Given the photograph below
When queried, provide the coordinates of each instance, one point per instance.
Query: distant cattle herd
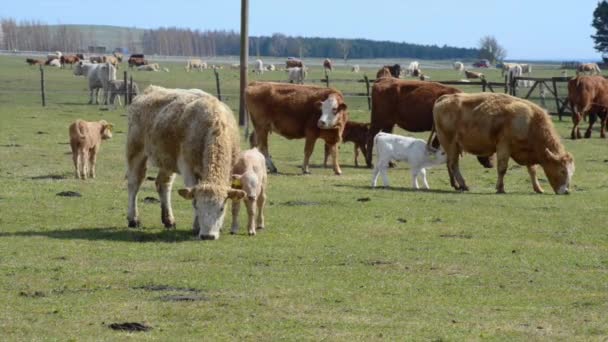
(192, 133)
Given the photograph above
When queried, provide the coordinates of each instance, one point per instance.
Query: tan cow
(589, 69)
(191, 133)
(487, 123)
(85, 140)
(249, 175)
(473, 75)
(295, 112)
(195, 63)
(588, 95)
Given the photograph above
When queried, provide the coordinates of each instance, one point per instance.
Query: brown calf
(355, 132)
(85, 140)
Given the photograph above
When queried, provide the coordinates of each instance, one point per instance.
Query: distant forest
(38, 36)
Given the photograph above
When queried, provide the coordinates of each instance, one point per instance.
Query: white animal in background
(411, 150)
(98, 76)
(55, 63)
(458, 66)
(235, 66)
(149, 67)
(355, 68)
(411, 69)
(258, 67)
(249, 174)
(270, 67)
(166, 69)
(195, 63)
(297, 75)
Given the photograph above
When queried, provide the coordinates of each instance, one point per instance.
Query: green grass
(405, 265)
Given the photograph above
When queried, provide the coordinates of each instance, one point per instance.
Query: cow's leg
(135, 176)
(415, 178)
(85, 163)
(502, 163)
(576, 119)
(93, 161)
(164, 184)
(458, 176)
(91, 90)
(251, 206)
(261, 201)
(453, 155)
(334, 157)
(76, 160)
(309, 146)
(262, 140)
(356, 153)
(375, 175)
(603, 120)
(326, 155)
(384, 174)
(236, 207)
(370, 144)
(424, 181)
(592, 120)
(534, 180)
(190, 181)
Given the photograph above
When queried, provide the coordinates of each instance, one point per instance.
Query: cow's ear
(109, 127)
(342, 107)
(319, 105)
(187, 193)
(235, 194)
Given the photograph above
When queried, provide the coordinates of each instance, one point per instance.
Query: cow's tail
(429, 143)
(78, 132)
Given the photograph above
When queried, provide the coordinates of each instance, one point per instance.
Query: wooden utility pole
(244, 59)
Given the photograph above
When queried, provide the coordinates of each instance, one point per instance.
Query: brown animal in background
(96, 59)
(295, 112)
(487, 123)
(588, 68)
(588, 95)
(473, 75)
(382, 73)
(85, 140)
(70, 59)
(327, 65)
(293, 63)
(32, 61)
(394, 69)
(136, 61)
(355, 132)
(407, 104)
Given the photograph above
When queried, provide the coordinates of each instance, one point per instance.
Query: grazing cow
(355, 132)
(54, 55)
(327, 66)
(70, 59)
(458, 66)
(382, 73)
(117, 89)
(80, 56)
(296, 75)
(395, 70)
(411, 69)
(110, 59)
(249, 175)
(191, 133)
(119, 56)
(149, 67)
(136, 60)
(235, 66)
(85, 140)
(96, 59)
(588, 95)
(355, 68)
(295, 112)
(98, 76)
(473, 75)
(411, 150)
(506, 67)
(293, 63)
(270, 67)
(487, 123)
(32, 61)
(54, 63)
(526, 68)
(258, 67)
(589, 69)
(195, 63)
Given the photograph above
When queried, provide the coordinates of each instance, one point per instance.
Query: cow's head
(78, 69)
(209, 202)
(106, 130)
(331, 110)
(249, 183)
(559, 170)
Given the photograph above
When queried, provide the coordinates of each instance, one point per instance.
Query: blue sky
(525, 28)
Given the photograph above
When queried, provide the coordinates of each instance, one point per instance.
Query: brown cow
(297, 111)
(487, 123)
(85, 140)
(407, 104)
(70, 59)
(32, 61)
(355, 132)
(395, 70)
(588, 95)
(136, 60)
(293, 63)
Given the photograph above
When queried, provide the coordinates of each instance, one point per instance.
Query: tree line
(38, 36)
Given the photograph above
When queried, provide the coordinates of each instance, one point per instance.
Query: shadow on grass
(397, 189)
(111, 234)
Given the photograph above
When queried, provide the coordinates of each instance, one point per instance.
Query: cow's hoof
(603, 136)
(338, 173)
(587, 135)
(251, 233)
(500, 192)
(208, 237)
(260, 227)
(134, 224)
(169, 225)
(232, 233)
(306, 172)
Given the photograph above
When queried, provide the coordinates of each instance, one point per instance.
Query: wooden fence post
(217, 84)
(557, 106)
(326, 79)
(42, 86)
(130, 89)
(369, 98)
(483, 85)
(127, 92)
(506, 84)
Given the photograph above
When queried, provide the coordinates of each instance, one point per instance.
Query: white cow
(411, 69)
(297, 75)
(271, 67)
(355, 68)
(258, 67)
(458, 66)
(411, 150)
(55, 63)
(149, 67)
(99, 77)
(249, 175)
(195, 63)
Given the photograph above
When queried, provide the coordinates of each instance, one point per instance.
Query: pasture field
(337, 260)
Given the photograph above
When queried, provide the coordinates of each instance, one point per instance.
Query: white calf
(411, 150)
(297, 75)
(249, 175)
